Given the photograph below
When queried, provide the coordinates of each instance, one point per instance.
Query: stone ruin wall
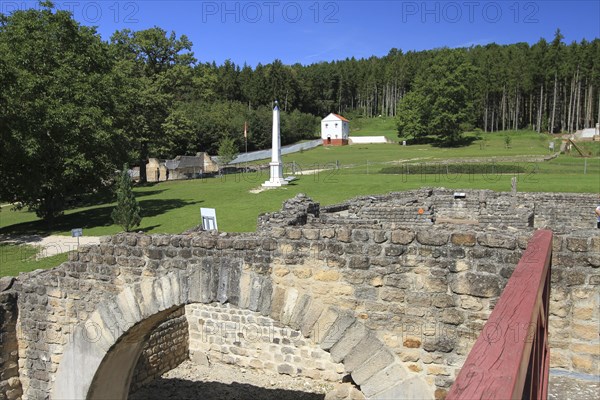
(10, 385)
(561, 212)
(224, 334)
(425, 290)
(166, 348)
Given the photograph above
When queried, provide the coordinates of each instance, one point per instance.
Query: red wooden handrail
(510, 358)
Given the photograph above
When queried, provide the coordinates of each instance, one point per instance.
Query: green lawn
(21, 258)
(491, 145)
(380, 126)
(173, 207)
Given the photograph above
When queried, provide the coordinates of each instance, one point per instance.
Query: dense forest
(74, 108)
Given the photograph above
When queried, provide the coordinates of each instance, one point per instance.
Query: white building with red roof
(335, 130)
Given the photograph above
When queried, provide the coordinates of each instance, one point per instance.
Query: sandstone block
(302, 272)
(349, 340)
(585, 331)
(199, 358)
(459, 266)
(415, 368)
(497, 241)
(393, 294)
(336, 330)
(373, 365)
(437, 370)
(343, 234)
(463, 239)
(307, 327)
(379, 237)
(402, 236)
(293, 233)
(290, 303)
(365, 349)
(476, 284)
(585, 348)
(560, 359)
(411, 388)
(574, 277)
(452, 316)
(310, 234)
(286, 369)
(327, 275)
(411, 343)
(394, 251)
(583, 363)
(328, 233)
(277, 302)
(300, 311)
(153, 253)
(383, 380)
(360, 235)
(358, 262)
(442, 344)
(432, 238)
(577, 244)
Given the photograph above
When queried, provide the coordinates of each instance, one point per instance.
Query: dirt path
(227, 382)
(50, 245)
(222, 382)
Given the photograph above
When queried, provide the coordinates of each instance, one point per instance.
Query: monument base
(275, 183)
(276, 176)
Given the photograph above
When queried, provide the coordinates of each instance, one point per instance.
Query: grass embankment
(22, 258)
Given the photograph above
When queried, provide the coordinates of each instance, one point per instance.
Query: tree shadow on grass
(181, 389)
(102, 197)
(460, 142)
(94, 217)
(434, 141)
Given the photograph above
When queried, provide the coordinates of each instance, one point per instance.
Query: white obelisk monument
(275, 164)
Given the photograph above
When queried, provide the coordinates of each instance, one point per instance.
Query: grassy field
(21, 258)
(172, 207)
(380, 126)
(523, 143)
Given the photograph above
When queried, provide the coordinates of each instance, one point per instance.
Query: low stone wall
(561, 212)
(226, 334)
(10, 385)
(166, 348)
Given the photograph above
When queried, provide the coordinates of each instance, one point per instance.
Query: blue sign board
(77, 232)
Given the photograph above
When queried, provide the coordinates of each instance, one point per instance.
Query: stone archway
(99, 361)
(105, 348)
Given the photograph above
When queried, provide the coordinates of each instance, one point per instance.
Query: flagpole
(246, 141)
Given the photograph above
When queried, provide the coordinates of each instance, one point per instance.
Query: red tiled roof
(340, 117)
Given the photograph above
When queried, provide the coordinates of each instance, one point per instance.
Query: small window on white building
(336, 124)
(326, 125)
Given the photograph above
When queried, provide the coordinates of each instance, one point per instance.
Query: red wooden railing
(510, 359)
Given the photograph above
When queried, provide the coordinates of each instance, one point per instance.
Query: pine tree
(127, 211)
(228, 150)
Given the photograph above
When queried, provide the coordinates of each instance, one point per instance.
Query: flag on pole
(246, 129)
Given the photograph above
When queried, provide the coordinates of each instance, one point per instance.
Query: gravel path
(222, 382)
(50, 245)
(228, 382)
(570, 386)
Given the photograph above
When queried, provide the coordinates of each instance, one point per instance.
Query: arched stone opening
(99, 361)
(100, 357)
(113, 377)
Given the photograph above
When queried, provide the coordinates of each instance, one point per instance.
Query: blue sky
(312, 31)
